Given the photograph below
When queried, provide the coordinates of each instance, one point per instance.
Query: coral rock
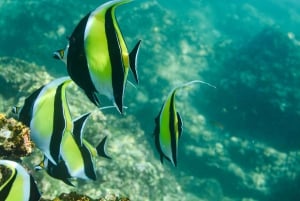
(14, 139)
(73, 196)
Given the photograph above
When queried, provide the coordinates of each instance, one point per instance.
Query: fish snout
(56, 55)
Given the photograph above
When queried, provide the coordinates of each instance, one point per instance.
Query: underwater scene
(150, 100)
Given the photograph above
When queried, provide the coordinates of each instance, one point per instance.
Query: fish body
(66, 153)
(168, 130)
(20, 185)
(73, 146)
(47, 114)
(83, 169)
(97, 58)
(168, 126)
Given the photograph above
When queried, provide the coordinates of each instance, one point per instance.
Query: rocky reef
(14, 139)
(73, 196)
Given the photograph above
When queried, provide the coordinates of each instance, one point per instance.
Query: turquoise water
(240, 141)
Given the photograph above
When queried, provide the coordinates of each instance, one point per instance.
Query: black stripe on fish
(115, 54)
(179, 125)
(85, 153)
(25, 115)
(78, 125)
(59, 124)
(173, 129)
(34, 192)
(6, 189)
(77, 63)
(88, 162)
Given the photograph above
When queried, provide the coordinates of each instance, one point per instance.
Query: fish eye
(62, 53)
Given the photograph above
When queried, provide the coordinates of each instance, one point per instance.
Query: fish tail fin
(133, 60)
(101, 148)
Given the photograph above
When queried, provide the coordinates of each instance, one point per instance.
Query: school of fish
(98, 62)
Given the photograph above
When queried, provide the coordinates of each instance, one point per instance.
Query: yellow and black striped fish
(168, 126)
(18, 185)
(47, 114)
(82, 150)
(97, 56)
(74, 146)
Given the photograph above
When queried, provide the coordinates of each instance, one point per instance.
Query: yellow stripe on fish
(19, 185)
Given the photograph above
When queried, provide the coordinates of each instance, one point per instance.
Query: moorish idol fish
(168, 127)
(97, 57)
(47, 114)
(73, 146)
(18, 185)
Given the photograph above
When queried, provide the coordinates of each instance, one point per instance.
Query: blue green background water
(241, 141)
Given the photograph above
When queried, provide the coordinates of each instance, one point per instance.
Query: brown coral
(14, 139)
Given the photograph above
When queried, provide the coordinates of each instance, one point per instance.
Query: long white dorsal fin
(193, 82)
